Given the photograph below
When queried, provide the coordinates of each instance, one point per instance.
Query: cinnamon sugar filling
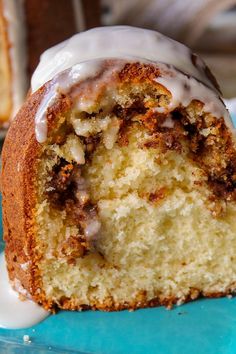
(208, 140)
(130, 190)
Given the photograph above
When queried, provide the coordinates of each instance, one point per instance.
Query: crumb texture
(159, 229)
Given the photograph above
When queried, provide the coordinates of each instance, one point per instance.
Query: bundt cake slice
(119, 179)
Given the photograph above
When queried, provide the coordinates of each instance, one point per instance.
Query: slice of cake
(27, 28)
(119, 176)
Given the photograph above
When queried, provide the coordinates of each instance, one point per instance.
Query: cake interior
(135, 206)
(5, 74)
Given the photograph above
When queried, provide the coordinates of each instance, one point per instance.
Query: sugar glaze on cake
(186, 73)
(120, 42)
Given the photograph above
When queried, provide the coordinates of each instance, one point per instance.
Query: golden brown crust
(18, 175)
(18, 194)
(18, 180)
(141, 301)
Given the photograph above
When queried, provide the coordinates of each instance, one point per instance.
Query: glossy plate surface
(203, 326)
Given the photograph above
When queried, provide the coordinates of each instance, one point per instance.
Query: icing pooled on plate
(15, 313)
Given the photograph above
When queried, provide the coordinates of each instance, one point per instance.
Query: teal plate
(204, 326)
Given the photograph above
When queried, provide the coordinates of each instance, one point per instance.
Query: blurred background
(207, 26)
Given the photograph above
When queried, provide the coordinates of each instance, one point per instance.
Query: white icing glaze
(185, 89)
(14, 14)
(15, 313)
(182, 88)
(116, 42)
(92, 228)
(61, 84)
(84, 54)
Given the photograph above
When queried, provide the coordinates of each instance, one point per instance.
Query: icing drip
(83, 55)
(63, 83)
(183, 89)
(14, 14)
(15, 313)
(118, 42)
(60, 85)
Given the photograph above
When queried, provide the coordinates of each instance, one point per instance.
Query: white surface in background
(13, 12)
